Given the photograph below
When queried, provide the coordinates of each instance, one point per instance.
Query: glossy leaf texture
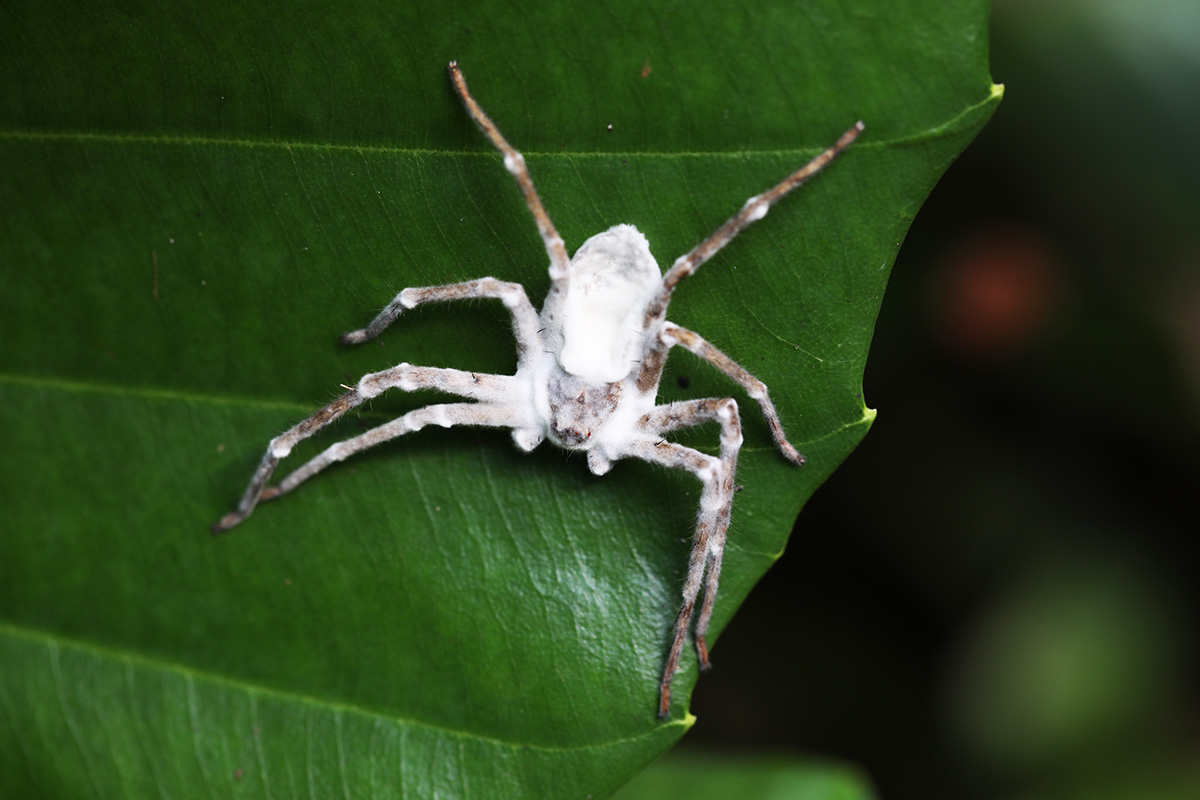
(195, 201)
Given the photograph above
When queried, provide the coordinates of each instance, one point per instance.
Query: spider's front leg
(712, 522)
(514, 162)
(752, 210)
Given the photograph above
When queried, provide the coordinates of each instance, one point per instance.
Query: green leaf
(197, 200)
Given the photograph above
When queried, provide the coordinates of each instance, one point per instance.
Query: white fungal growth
(598, 463)
(527, 439)
(514, 163)
(588, 370)
(757, 208)
(406, 383)
(512, 297)
(369, 386)
(613, 278)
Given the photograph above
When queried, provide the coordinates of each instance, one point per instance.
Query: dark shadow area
(993, 598)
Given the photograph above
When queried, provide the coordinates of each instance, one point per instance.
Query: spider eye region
(579, 409)
(569, 436)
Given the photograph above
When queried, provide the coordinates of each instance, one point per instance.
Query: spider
(588, 369)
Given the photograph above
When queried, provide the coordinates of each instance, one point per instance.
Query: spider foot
(702, 650)
(664, 701)
(791, 453)
(354, 337)
(226, 522)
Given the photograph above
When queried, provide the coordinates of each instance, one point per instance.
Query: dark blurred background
(994, 597)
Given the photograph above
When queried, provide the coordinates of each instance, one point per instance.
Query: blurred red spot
(995, 293)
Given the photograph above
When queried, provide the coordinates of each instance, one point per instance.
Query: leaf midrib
(950, 126)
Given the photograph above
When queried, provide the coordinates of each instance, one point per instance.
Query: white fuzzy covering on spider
(588, 370)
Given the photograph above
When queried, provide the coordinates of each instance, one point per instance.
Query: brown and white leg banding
(446, 416)
(712, 521)
(673, 334)
(474, 385)
(525, 318)
(514, 162)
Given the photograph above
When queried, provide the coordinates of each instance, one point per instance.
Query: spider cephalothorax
(588, 369)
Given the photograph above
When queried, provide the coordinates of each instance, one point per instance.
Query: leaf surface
(196, 201)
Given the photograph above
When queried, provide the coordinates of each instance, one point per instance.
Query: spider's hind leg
(278, 448)
(447, 415)
(712, 521)
(492, 392)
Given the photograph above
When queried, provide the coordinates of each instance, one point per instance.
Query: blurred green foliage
(713, 776)
(1014, 606)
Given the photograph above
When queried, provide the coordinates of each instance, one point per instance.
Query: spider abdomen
(595, 325)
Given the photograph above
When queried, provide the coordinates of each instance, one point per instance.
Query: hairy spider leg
(278, 448)
(752, 210)
(673, 334)
(447, 415)
(478, 386)
(524, 317)
(712, 521)
(525, 330)
(514, 162)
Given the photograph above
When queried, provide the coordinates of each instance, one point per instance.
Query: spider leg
(672, 335)
(278, 448)
(514, 162)
(524, 317)
(492, 415)
(754, 209)
(712, 521)
(477, 386)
